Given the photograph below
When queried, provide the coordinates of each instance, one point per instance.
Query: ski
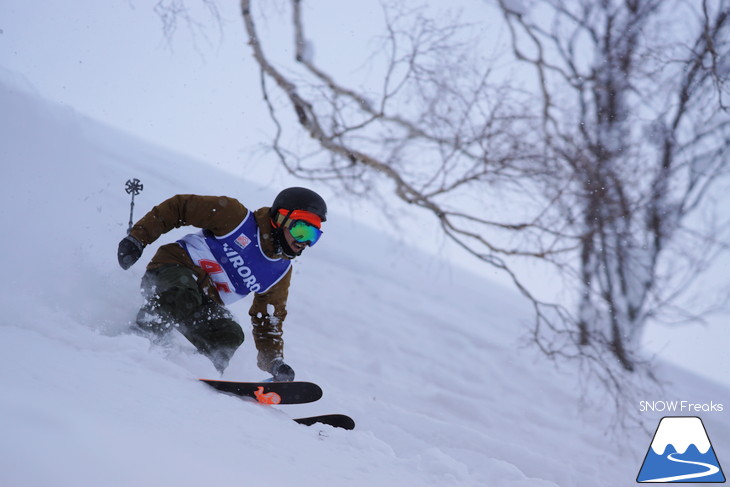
(273, 393)
(336, 420)
(270, 392)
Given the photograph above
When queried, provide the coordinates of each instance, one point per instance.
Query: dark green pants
(174, 301)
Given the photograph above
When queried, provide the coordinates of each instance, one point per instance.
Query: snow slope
(426, 358)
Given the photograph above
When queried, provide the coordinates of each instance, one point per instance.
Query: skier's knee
(179, 302)
(226, 332)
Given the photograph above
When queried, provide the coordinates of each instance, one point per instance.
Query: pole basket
(134, 186)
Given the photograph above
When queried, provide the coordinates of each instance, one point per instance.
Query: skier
(188, 283)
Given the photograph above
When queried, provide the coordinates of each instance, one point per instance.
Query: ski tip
(335, 420)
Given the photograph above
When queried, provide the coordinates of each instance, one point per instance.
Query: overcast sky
(198, 92)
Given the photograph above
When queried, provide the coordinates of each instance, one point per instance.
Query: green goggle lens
(304, 232)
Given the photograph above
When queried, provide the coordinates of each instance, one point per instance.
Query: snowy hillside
(426, 358)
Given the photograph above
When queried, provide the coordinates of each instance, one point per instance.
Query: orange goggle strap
(287, 216)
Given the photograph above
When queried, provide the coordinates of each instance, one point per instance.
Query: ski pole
(133, 187)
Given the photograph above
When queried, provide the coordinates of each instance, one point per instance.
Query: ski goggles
(304, 232)
(304, 226)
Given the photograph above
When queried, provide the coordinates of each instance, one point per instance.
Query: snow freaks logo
(681, 452)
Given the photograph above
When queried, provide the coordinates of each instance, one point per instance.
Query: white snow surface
(426, 358)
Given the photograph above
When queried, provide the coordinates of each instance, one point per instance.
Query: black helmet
(300, 199)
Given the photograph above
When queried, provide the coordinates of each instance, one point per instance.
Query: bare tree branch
(601, 166)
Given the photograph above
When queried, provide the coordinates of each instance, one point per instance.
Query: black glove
(281, 371)
(129, 252)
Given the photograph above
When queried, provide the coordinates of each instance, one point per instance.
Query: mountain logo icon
(681, 452)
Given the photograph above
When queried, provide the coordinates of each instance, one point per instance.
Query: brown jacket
(221, 215)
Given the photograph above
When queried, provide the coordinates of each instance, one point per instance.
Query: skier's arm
(219, 214)
(268, 313)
